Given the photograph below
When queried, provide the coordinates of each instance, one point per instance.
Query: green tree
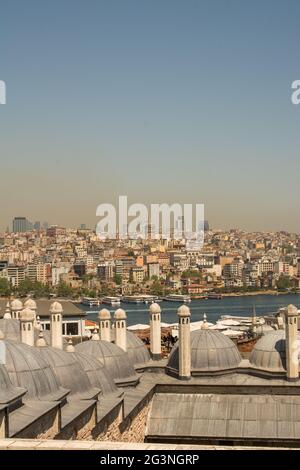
(284, 283)
(63, 290)
(5, 288)
(118, 279)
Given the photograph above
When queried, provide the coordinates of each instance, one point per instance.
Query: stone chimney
(104, 318)
(56, 312)
(27, 327)
(184, 347)
(120, 329)
(291, 343)
(16, 306)
(30, 303)
(155, 331)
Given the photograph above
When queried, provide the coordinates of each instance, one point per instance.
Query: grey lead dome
(211, 351)
(269, 352)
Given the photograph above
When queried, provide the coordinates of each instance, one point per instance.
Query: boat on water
(214, 296)
(91, 301)
(178, 298)
(113, 301)
(132, 299)
(150, 299)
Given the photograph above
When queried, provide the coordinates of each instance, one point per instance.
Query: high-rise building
(20, 224)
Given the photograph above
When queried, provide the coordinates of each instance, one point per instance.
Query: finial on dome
(7, 314)
(95, 336)
(40, 342)
(204, 325)
(70, 348)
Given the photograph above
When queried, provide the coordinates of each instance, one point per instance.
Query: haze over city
(169, 101)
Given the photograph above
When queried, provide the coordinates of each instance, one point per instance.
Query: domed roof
(28, 370)
(97, 373)
(269, 352)
(30, 303)
(211, 351)
(68, 371)
(120, 314)
(115, 360)
(56, 307)
(154, 308)
(104, 314)
(136, 349)
(11, 330)
(8, 391)
(16, 304)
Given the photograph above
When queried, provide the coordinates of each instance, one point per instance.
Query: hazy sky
(161, 100)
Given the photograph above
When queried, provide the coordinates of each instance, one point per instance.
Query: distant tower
(26, 326)
(120, 329)
(16, 307)
(104, 318)
(184, 346)
(56, 311)
(31, 304)
(155, 331)
(291, 343)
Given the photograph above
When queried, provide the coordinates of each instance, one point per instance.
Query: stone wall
(81, 427)
(45, 427)
(130, 430)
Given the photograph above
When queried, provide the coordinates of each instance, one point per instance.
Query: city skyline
(163, 101)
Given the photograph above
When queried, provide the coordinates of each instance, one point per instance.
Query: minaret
(16, 307)
(184, 346)
(254, 321)
(7, 314)
(291, 343)
(26, 326)
(155, 331)
(30, 303)
(56, 311)
(104, 318)
(120, 329)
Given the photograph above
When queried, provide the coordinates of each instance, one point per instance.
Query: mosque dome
(211, 351)
(8, 391)
(27, 369)
(98, 375)
(68, 371)
(269, 352)
(104, 314)
(136, 349)
(115, 360)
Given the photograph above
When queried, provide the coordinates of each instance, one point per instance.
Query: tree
(63, 290)
(118, 279)
(5, 288)
(157, 288)
(284, 283)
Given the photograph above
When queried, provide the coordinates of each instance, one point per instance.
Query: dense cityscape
(41, 260)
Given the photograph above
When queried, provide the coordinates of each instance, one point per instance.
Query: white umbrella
(139, 326)
(232, 333)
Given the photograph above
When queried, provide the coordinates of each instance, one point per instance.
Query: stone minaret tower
(104, 318)
(184, 346)
(27, 326)
(56, 312)
(16, 306)
(120, 329)
(30, 303)
(155, 332)
(291, 343)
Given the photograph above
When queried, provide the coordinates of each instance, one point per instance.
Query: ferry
(91, 301)
(150, 299)
(178, 298)
(132, 299)
(214, 296)
(113, 301)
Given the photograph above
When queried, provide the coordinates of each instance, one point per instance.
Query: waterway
(241, 306)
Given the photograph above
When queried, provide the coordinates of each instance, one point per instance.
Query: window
(72, 329)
